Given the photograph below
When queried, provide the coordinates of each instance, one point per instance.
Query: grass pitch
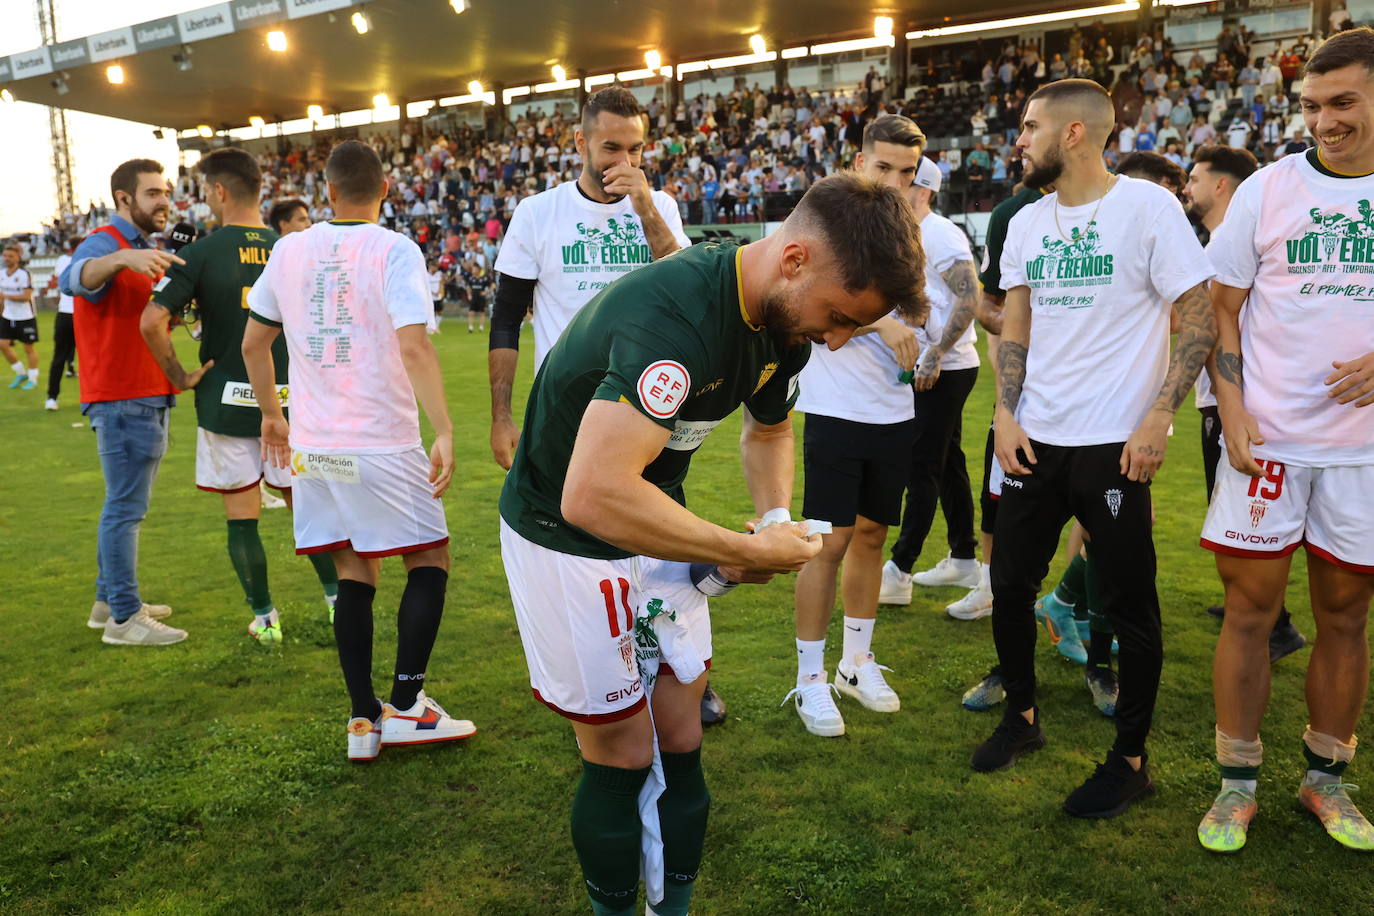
(209, 777)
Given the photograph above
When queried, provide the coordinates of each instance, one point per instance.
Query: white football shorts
(379, 505)
(577, 623)
(1327, 510)
(232, 464)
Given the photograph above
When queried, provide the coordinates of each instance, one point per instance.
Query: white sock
(33, 375)
(18, 368)
(964, 562)
(1245, 785)
(858, 638)
(330, 599)
(810, 658)
(265, 619)
(985, 577)
(1318, 778)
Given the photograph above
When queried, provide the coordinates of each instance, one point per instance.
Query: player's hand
(1351, 380)
(746, 576)
(1241, 430)
(276, 441)
(782, 548)
(190, 380)
(149, 261)
(624, 179)
(1143, 453)
(441, 463)
(505, 436)
(1008, 438)
(901, 340)
(928, 372)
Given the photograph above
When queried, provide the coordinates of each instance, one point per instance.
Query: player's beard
(780, 318)
(149, 221)
(1046, 172)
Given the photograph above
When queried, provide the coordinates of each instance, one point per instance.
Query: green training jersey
(219, 271)
(990, 270)
(673, 341)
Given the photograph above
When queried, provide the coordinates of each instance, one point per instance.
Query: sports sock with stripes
(353, 636)
(682, 811)
(605, 833)
(250, 562)
(324, 569)
(417, 626)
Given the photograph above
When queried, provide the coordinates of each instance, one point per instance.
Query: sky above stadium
(27, 196)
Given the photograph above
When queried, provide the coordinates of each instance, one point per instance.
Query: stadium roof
(414, 50)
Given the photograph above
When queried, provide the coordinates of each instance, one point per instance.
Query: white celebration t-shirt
(859, 382)
(1101, 288)
(945, 245)
(340, 291)
(575, 247)
(1302, 242)
(12, 284)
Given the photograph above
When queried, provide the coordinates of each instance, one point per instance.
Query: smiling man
(594, 501)
(1294, 383)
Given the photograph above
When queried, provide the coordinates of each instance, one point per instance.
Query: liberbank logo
(619, 246)
(1075, 261)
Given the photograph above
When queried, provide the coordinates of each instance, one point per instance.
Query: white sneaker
(140, 630)
(424, 723)
(976, 604)
(269, 499)
(865, 683)
(100, 612)
(816, 706)
(950, 571)
(365, 738)
(896, 587)
(50, 404)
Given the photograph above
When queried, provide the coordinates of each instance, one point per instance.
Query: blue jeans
(709, 205)
(131, 438)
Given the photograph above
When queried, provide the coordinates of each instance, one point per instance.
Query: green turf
(209, 777)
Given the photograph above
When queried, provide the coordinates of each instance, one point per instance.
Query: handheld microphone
(179, 236)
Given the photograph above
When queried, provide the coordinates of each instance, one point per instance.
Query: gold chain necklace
(1091, 219)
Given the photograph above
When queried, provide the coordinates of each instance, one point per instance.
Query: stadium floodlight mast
(276, 41)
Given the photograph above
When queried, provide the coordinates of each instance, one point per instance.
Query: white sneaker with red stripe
(365, 738)
(424, 723)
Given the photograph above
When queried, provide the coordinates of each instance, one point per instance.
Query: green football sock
(250, 562)
(682, 811)
(1100, 629)
(324, 568)
(1334, 768)
(605, 833)
(1069, 591)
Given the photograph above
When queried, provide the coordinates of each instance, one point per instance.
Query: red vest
(115, 362)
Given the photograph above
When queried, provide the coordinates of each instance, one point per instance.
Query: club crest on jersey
(1335, 242)
(662, 388)
(1113, 501)
(765, 375)
(1257, 509)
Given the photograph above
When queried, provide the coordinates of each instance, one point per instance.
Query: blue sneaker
(1057, 618)
(1104, 687)
(29, 384)
(986, 694)
(19, 380)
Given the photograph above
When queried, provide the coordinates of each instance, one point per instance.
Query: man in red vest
(123, 391)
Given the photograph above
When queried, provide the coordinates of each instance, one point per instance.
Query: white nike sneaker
(973, 606)
(816, 706)
(100, 612)
(424, 723)
(950, 571)
(864, 682)
(50, 404)
(365, 738)
(896, 587)
(140, 630)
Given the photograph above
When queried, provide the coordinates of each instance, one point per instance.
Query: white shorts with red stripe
(577, 623)
(378, 505)
(232, 464)
(1327, 510)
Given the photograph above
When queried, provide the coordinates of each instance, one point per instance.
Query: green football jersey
(219, 271)
(672, 340)
(990, 270)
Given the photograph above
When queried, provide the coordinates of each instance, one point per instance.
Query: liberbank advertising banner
(183, 28)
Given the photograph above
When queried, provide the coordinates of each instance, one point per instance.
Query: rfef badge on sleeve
(662, 388)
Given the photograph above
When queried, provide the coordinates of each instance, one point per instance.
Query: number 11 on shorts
(608, 589)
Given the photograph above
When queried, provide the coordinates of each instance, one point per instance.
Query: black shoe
(1284, 639)
(1216, 610)
(1111, 788)
(1012, 737)
(712, 707)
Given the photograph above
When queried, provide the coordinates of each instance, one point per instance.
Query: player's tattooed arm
(153, 326)
(1197, 335)
(989, 312)
(1228, 366)
(661, 240)
(1224, 362)
(962, 280)
(1011, 373)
